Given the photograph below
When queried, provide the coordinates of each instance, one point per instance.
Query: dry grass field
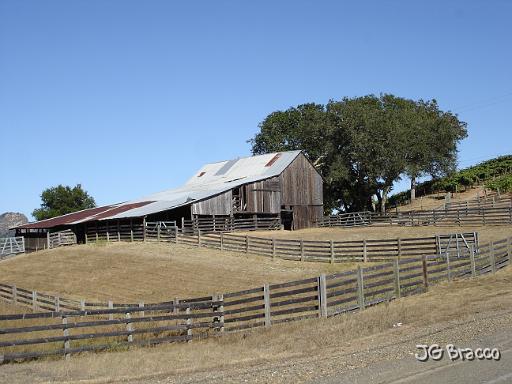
(436, 200)
(487, 233)
(290, 347)
(149, 272)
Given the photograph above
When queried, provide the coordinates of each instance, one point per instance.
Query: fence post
(509, 249)
(448, 269)
(222, 241)
(396, 273)
(398, 247)
(158, 232)
(141, 305)
(65, 333)
(57, 304)
(110, 306)
(198, 237)
(220, 308)
(14, 294)
(365, 254)
(266, 299)
(189, 325)
(34, 300)
(301, 250)
(82, 304)
(48, 239)
(322, 296)
(118, 231)
(246, 243)
(472, 260)
(360, 287)
(273, 248)
(492, 257)
(176, 234)
(129, 327)
(331, 243)
(425, 271)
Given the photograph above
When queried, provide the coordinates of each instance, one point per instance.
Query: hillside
(10, 219)
(494, 174)
(463, 312)
(128, 272)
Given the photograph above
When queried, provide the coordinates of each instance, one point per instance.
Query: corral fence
(30, 335)
(11, 246)
(61, 238)
(500, 214)
(229, 224)
(334, 251)
(166, 230)
(352, 219)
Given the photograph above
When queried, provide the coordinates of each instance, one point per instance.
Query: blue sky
(132, 97)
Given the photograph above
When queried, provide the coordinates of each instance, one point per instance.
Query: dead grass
(487, 233)
(454, 301)
(132, 272)
(436, 200)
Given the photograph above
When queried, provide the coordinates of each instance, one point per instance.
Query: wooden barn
(282, 187)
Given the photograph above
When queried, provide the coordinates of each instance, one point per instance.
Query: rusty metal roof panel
(70, 218)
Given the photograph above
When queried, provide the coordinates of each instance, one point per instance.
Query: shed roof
(212, 179)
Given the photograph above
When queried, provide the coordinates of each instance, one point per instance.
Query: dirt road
(386, 358)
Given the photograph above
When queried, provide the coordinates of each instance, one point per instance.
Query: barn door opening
(287, 219)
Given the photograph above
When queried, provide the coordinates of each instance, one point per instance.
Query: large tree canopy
(61, 199)
(363, 145)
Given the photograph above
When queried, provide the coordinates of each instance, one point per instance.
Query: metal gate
(458, 245)
(12, 246)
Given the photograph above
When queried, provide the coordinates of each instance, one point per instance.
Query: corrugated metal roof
(210, 180)
(70, 218)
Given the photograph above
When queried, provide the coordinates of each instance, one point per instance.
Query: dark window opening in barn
(201, 174)
(273, 160)
(226, 167)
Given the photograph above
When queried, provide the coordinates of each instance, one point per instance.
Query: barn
(281, 188)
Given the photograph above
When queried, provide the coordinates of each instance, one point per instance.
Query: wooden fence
(500, 214)
(61, 238)
(230, 224)
(322, 296)
(11, 246)
(333, 251)
(166, 230)
(351, 219)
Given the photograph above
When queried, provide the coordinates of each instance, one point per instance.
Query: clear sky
(132, 97)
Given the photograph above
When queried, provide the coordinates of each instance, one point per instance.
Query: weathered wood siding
(263, 196)
(218, 205)
(302, 191)
(301, 184)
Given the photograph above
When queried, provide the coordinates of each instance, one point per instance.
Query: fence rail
(11, 246)
(51, 333)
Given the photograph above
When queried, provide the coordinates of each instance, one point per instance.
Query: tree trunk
(384, 200)
(413, 188)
